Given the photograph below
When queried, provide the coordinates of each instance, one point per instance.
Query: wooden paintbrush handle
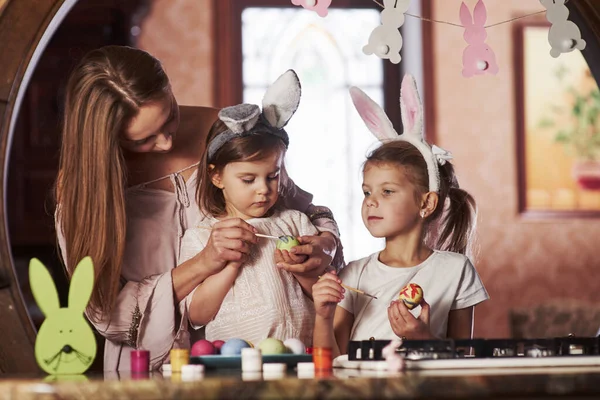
(352, 289)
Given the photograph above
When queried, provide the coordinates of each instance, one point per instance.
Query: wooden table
(572, 383)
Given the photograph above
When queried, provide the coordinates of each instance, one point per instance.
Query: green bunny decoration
(65, 343)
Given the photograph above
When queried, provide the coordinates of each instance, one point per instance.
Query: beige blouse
(145, 315)
(264, 300)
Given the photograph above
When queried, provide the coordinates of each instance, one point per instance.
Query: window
(328, 140)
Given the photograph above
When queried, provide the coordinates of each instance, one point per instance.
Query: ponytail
(457, 212)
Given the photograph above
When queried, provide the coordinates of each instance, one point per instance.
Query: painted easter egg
(203, 348)
(295, 346)
(218, 344)
(272, 346)
(287, 242)
(412, 295)
(233, 347)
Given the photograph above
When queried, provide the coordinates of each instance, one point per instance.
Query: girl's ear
(215, 177)
(429, 203)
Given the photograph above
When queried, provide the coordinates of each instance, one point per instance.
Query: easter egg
(412, 295)
(233, 347)
(272, 346)
(203, 348)
(218, 344)
(295, 346)
(287, 242)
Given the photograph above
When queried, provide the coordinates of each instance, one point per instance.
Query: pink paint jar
(140, 361)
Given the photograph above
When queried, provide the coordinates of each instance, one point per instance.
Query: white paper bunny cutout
(564, 36)
(386, 41)
(411, 110)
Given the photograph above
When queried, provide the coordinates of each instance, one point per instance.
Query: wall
(180, 34)
(522, 262)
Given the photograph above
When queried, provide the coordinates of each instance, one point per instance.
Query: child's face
(250, 188)
(389, 208)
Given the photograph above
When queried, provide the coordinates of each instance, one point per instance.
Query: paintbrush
(256, 234)
(267, 236)
(356, 290)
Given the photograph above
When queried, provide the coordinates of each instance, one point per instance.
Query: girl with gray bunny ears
(408, 187)
(243, 177)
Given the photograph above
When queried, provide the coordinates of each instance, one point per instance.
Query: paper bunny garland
(386, 41)
(478, 57)
(319, 6)
(65, 343)
(411, 110)
(279, 105)
(564, 36)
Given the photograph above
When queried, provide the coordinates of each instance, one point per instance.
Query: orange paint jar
(322, 358)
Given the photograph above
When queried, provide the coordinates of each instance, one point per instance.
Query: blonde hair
(103, 94)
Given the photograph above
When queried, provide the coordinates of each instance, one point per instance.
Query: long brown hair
(104, 92)
(255, 147)
(452, 223)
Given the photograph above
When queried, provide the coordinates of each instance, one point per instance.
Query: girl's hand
(404, 324)
(228, 244)
(327, 293)
(319, 250)
(284, 256)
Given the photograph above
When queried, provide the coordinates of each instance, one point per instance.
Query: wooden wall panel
(22, 24)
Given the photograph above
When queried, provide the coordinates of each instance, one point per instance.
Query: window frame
(229, 83)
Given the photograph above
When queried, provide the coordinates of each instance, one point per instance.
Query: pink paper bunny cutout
(320, 6)
(478, 57)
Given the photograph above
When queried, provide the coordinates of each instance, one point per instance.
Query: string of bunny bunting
(478, 57)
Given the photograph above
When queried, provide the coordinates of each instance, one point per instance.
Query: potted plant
(579, 131)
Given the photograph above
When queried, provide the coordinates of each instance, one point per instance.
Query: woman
(125, 194)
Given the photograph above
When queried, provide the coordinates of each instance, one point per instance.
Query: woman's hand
(327, 293)
(228, 244)
(404, 324)
(311, 258)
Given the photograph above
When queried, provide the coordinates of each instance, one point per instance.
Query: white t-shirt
(264, 301)
(449, 282)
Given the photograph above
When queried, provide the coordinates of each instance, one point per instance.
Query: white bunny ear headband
(279, 104)
(412, 118)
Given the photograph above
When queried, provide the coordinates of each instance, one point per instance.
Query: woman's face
(153, 128)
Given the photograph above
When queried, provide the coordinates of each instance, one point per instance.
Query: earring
(422, 213)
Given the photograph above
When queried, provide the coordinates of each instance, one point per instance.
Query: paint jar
(322, 358)
(179, 358)
(140, 361)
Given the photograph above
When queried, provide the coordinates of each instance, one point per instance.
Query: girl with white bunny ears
(406, 184)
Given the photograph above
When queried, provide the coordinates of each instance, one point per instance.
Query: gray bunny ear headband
(278, 105)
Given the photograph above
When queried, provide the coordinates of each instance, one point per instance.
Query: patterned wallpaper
(522, 262)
